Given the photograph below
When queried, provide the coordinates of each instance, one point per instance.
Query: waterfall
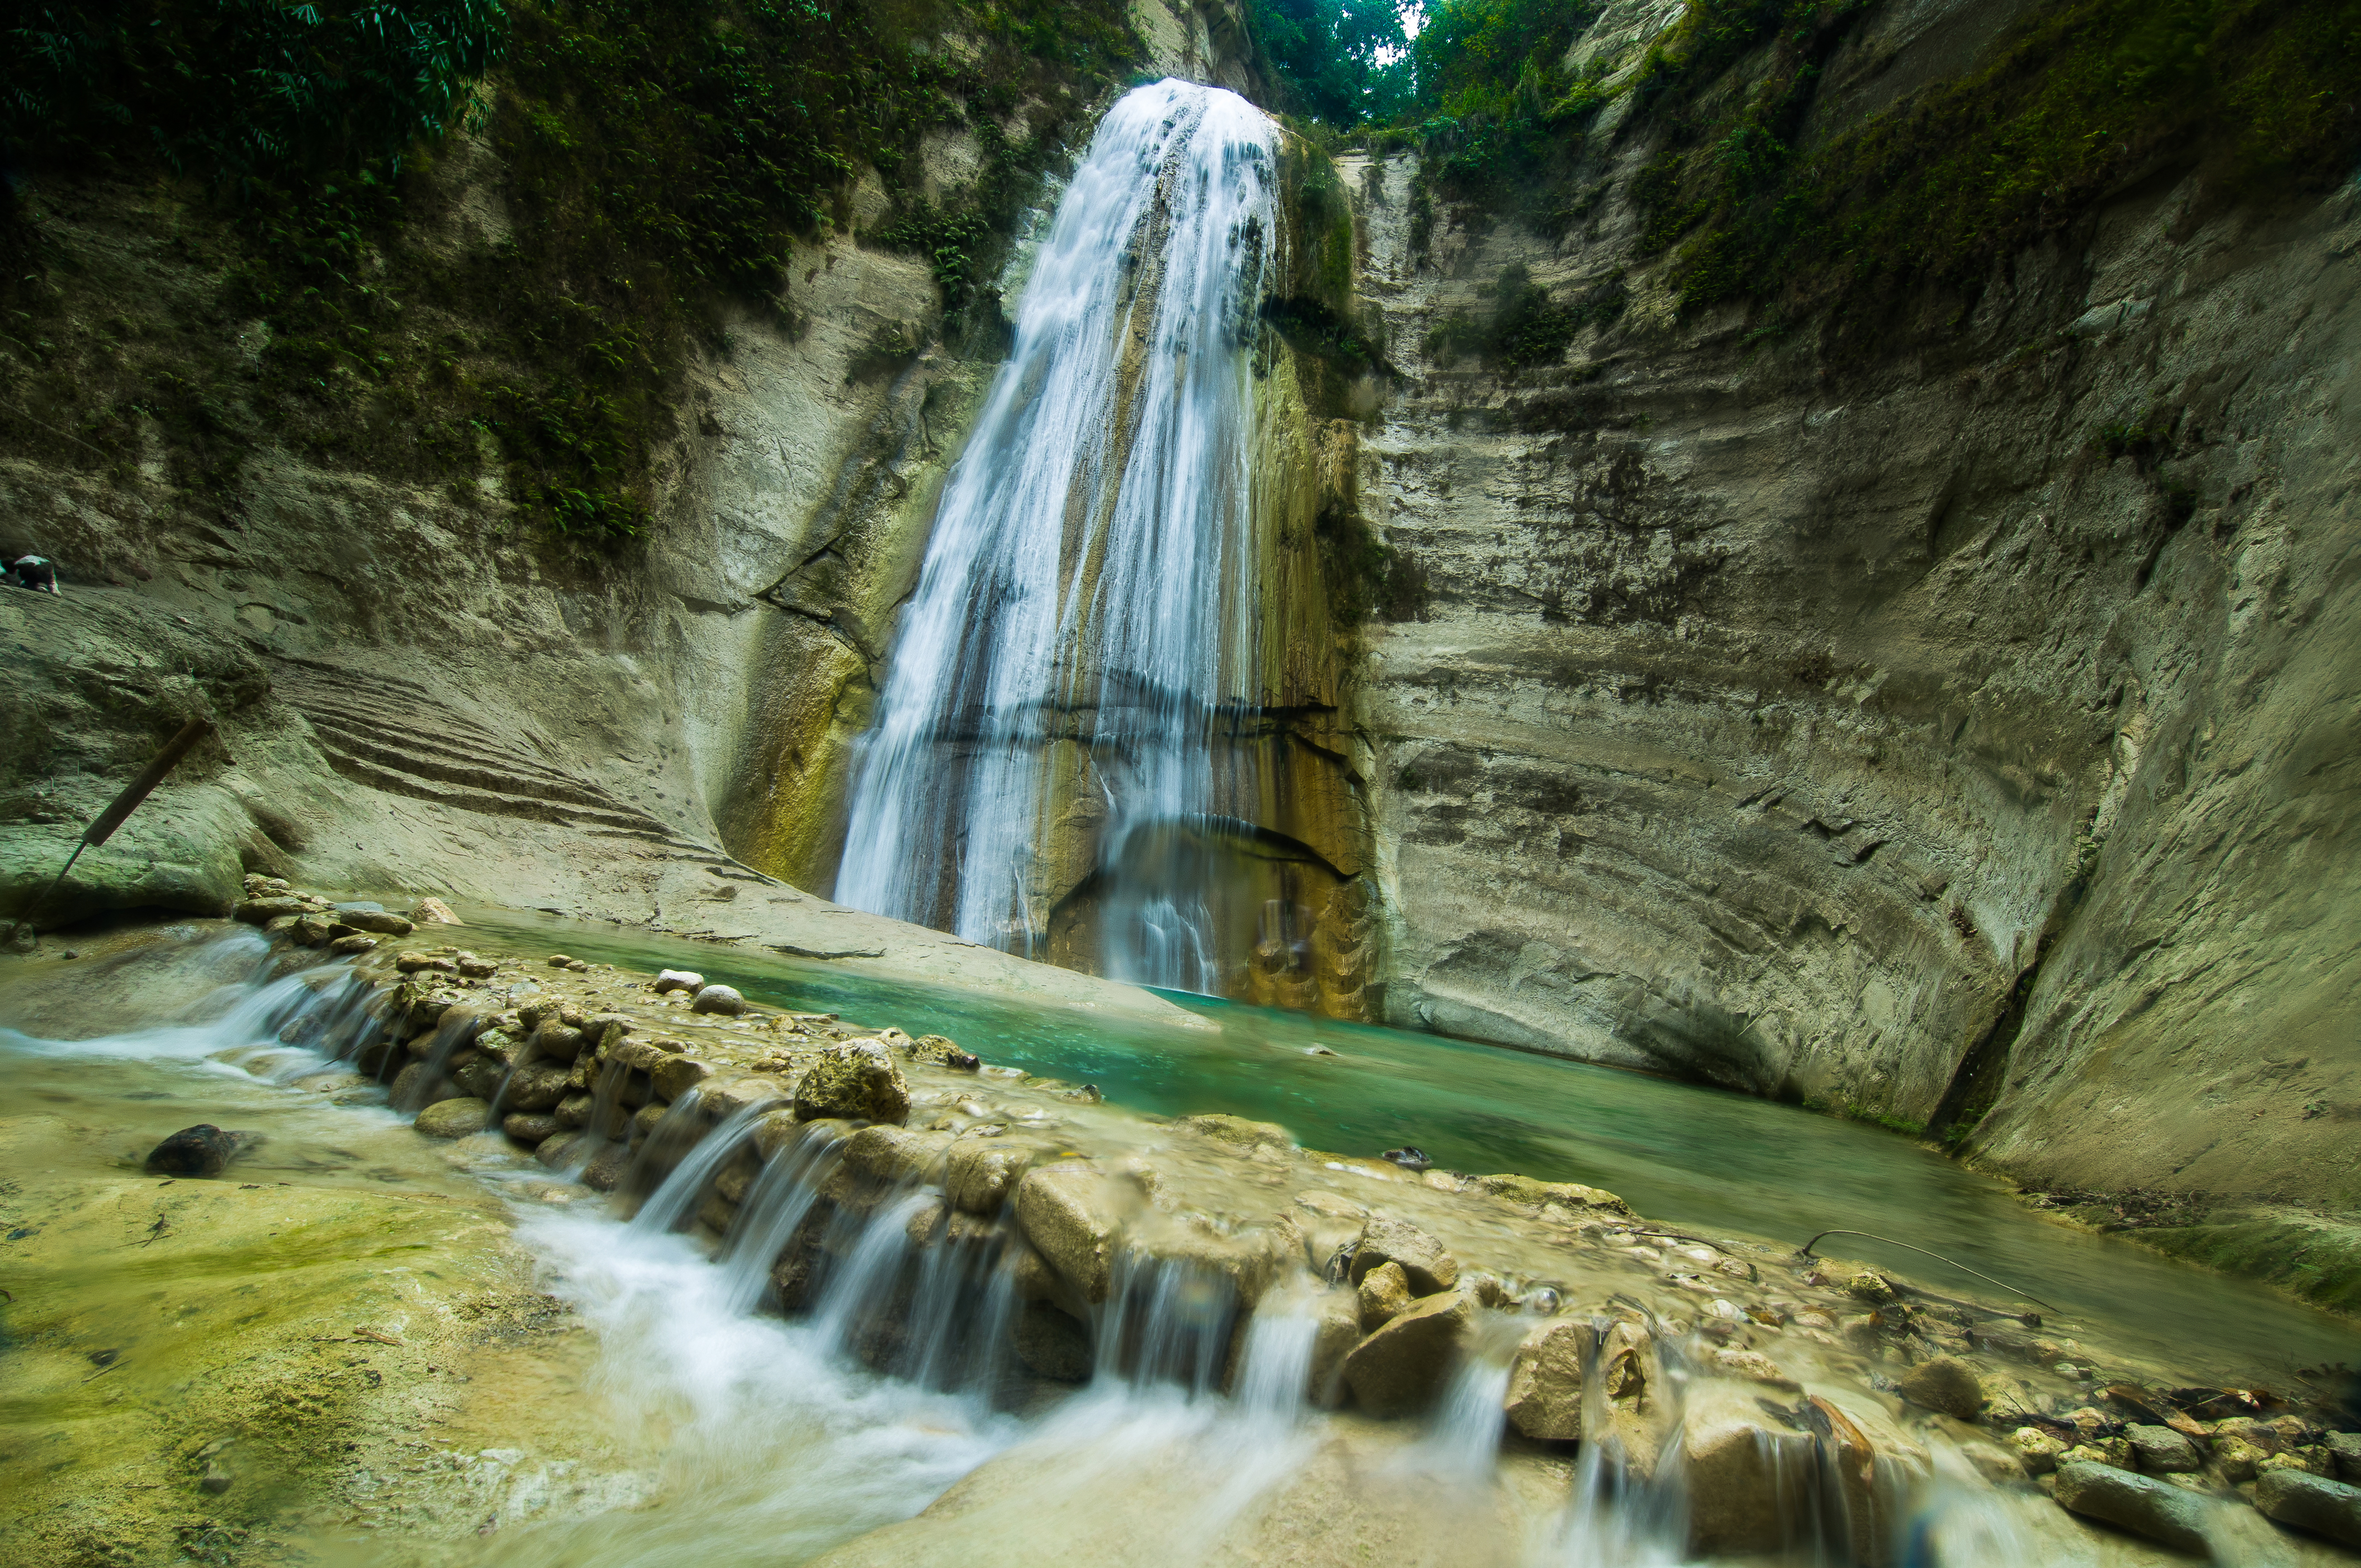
(1089, 587)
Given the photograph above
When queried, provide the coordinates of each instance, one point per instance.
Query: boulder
(1398, 1370)
(1383, 1292)
(1566, 1194)
(574, 1110)
(479, 1076)
(721, 998)
(433, 911)
(201, 1150)
(937, 1051)
(309, 931)
(980, 1174)
(672, 980)
(676, 1076)
(379, 921)
(411, 963)
(1946, 1386)
(1072, 1215)
(857, 1080)
(2164, 1452)
(553, 1041)
(2311, 1502)
(536, 1086)
(1424, 1264)
(1751, 1479)
(2157, 1509)
(531, 1127)
(896, 1157)
(454, 1118)
(1544, 1398)
(2345, 1453)
(351, 946)
(1052, 1344)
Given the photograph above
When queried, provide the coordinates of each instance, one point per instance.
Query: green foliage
(1525, 328)
(240, 88)
(2080, 98)
(1343, 62)
(1499, 57)
(1367, 577)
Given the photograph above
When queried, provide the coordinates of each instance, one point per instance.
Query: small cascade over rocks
(1091, 586)
(1150, 1320)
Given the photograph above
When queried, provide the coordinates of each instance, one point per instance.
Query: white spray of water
(1089, 574)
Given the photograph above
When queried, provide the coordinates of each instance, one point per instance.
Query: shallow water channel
(377, 1299)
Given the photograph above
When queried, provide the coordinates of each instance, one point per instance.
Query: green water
(1682, 1154)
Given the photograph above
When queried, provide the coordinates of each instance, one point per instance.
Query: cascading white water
(1089, 580)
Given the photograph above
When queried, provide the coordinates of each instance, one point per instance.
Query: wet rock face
(1052, 1344)
(1614, 712)
(1399, 1369)
(1072, 1217)
(1426, 1268)
(1751, 1479)
(1544, 1398)
(2157, 1509)
(857, 1080)
(201, 1150)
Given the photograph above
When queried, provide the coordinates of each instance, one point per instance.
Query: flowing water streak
(776, 1208)
(1093, 552)
(679, 1194)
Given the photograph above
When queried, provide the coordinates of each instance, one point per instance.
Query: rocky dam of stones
(1531, 782)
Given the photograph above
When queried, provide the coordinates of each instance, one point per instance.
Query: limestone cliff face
(412, 698)
(1962, 731)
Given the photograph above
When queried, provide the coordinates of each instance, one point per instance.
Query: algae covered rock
(1570, 1195)
(857, 1080)
(1947, 1386)
(454, 1118)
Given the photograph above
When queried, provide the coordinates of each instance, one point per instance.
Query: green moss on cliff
(651, 163)
(2074, 104)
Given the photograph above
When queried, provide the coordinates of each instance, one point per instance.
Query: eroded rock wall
(1804, 723)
